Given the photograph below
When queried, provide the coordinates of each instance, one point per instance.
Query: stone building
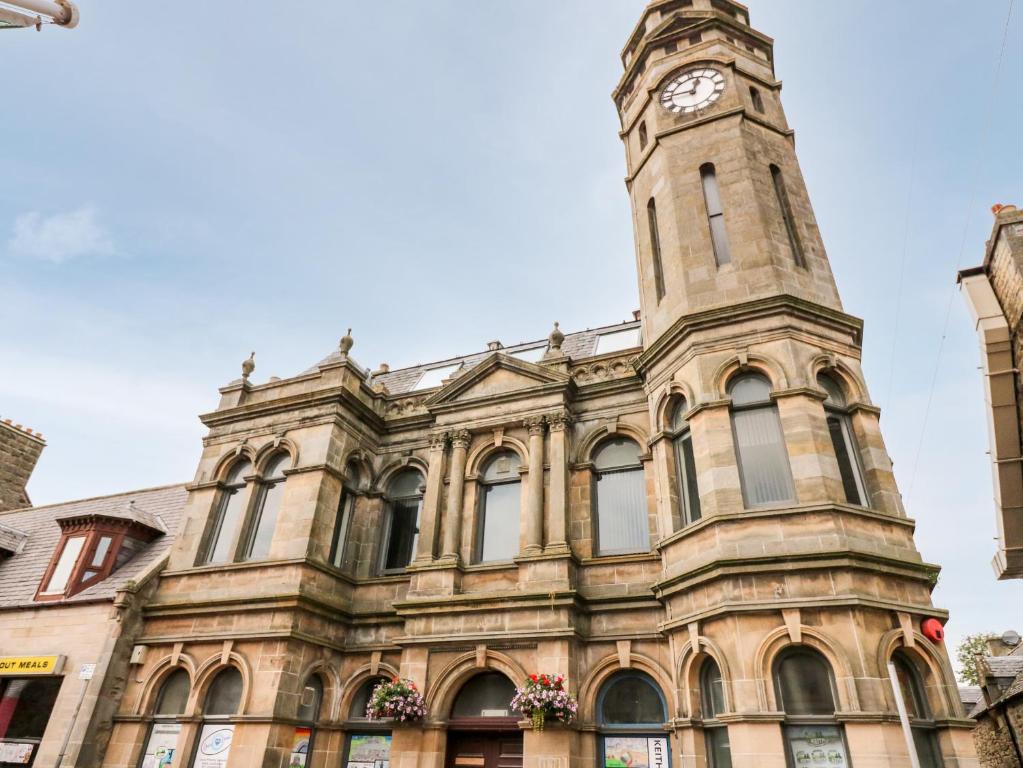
(994, 294)
(20, 448)
(73, 580)
(692, 517)
(999, 707)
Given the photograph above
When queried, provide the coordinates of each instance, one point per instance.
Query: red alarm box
(933, 630)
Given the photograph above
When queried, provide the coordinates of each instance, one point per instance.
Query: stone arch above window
(487, 694)
(224, 695)
(751, 363)
(596, 437)
(481, 454)
(850, 381)
(780, 640)
(804, 683)
(667, 403)
(270, 454)
(610, 666)
(631, 699)
(441, 695)
(173, 694)
(356, 690)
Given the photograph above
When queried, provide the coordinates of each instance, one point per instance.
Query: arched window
(370, 741)
(786, 213)
(805, 690)
(759, 443)
(162, 738)
(712, 704)
(631, 714)
(642, 136)
(404, 500)
(268, 509)
(486, 695)
(500, 499)
(840, 429)
(222, 702)
(914, 696)
(620, 500)
(345, 512)
(655, 247)
(685, 465)
(758, 102)
(715, 215)
(310, 705)
(229, 515)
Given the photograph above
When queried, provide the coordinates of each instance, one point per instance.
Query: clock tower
(721, 212)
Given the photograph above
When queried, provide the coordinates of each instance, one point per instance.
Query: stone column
(557, 526)
(533, 518)
(453, 519)
(426, 550)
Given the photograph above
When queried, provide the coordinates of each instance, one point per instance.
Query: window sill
(633, 557)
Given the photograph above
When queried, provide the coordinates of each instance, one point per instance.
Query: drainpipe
(907, 730)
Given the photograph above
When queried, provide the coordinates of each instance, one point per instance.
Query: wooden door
(485, 750)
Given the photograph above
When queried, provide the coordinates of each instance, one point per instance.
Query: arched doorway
(631, 717)
(483, 731)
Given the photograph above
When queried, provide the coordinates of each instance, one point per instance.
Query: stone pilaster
(428, 525)
(532, 523)
(557, 524)
(456, 488)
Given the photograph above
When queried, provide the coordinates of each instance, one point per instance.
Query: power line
(978, 167)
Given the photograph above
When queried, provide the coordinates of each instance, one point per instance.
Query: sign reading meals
(31, 665)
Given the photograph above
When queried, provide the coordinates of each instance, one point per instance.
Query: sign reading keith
(31, 665)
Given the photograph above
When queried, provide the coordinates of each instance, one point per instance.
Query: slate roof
(1006, 668)
(577, 345)
(21, 573)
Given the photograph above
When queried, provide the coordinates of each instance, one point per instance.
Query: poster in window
(15, 752)
(635, 752)
(214, 745)
(161, 745)
(817, 746)
(367, 750)
(300, 747)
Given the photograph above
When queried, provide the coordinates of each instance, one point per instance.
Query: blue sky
(185, 186)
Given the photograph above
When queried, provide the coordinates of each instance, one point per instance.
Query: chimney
(19, 451)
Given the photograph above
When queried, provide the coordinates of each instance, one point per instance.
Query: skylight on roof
(534, 355)
(616, 341)
(434, 377)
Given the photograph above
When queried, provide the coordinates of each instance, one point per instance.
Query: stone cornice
(338, 395)
(687, 325)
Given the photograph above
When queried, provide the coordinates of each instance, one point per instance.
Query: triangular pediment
(499, 375)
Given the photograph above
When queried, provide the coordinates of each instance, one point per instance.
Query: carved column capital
(438, 441)
(461, 438)
(535, 425)
(560, 421)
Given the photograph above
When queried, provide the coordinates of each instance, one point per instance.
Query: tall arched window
(914, 696)
(500, 500)
(223, 534)
(222, 702)
(345, 512)
(846, 452)
(631, 715)
(655, 247)
(712, 704)
(404, 500)
(759, 442)
(162, 739)
(486, 695)
(805, 690)
(368, 741)
(786, 213)
(715, 215)
(268, 509)
(685, 465)
(620, 503)
(310, 705)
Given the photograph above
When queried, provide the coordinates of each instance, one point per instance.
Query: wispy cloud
(59, 237)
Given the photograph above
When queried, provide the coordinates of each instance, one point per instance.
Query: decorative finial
(555, 339)
(249, 366)
(346, 342)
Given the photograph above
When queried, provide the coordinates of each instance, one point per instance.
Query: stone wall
(19, 452)
(995, 747)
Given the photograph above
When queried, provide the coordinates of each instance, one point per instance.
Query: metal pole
(63, 13)
(907, 731)
(74, 718)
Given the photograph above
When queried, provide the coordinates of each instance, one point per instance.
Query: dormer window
(91, 547)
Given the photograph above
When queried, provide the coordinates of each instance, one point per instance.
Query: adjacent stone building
(20, 448)
(73, 580)
(999, 707)
(994, 293)
(692, 517)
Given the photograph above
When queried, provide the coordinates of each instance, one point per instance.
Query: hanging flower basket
(544, 697)
(398, 699)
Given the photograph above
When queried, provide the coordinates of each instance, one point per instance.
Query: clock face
(693, 90)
